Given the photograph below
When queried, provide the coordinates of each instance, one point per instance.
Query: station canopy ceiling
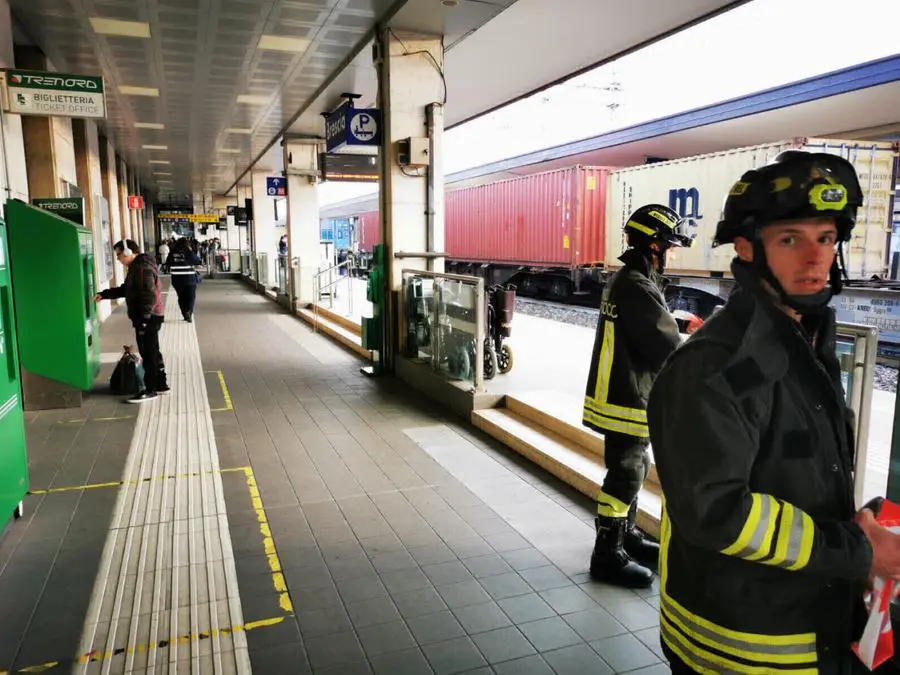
(211, 86)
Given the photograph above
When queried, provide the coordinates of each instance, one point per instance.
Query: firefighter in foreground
(764, 560)
(635, 335)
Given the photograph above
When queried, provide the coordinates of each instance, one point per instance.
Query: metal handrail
(318, 288)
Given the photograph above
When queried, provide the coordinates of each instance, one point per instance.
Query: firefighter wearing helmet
(635, 335)
(764, 558)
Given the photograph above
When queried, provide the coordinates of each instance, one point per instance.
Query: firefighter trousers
(627, 465)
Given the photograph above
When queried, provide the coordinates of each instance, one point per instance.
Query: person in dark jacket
(145, 309)
(764, 559)
(181, 263)
(635, 335)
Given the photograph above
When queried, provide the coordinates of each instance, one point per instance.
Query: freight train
(558, 234)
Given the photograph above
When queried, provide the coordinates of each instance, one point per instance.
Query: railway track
(886, 368)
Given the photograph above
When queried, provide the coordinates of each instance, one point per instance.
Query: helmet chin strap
(806, 305)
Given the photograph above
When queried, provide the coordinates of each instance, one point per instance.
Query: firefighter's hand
(885, 546)
(98, 298)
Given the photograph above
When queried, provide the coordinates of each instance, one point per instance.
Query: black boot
(642, 549)
(609, 561)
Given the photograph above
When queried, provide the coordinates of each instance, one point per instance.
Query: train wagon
(696, 187)
(539, 229)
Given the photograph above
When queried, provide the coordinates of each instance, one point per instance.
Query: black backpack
(128, 375)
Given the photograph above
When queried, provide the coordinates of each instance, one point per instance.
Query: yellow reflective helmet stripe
(641, 228)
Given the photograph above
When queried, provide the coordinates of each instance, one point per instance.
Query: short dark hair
(130, 244)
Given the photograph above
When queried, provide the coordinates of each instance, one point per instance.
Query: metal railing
(281, 273)
(857, 351)
(446, 326)
(331, 285)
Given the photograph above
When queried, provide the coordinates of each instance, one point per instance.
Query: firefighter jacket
(635, 335)
(760, 562)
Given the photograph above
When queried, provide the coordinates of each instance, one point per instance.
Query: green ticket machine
(51, 260)
(13, 464)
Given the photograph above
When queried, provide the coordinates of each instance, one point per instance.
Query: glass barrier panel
(457, 328)
(419, 315)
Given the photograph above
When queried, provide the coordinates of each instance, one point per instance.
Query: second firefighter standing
(635, 335)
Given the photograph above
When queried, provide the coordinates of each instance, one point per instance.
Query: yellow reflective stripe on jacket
(793, 544)
(611, 424)
(706, 661)
(598, 411)
(692, 637)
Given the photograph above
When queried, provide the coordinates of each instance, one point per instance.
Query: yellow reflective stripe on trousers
(705, 661)
(610, 424)
(611, 507)
(600, 401)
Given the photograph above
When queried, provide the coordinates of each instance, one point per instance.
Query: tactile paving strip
(166, 595)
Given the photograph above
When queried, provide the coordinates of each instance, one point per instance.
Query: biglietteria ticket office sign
(31, 92)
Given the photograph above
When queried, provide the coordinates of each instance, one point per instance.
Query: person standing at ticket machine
(145, 309)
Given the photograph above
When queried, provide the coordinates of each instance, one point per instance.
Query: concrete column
(265, 235)
(409, 82)
(89, 174)
(14, 167)
(122, 189)
(38, 135)
(110, 191)
(303, 233)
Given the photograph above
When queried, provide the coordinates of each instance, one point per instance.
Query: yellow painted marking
(120, 483)
(96, 419)
(97, 656)
(225, 394)
(278, 581)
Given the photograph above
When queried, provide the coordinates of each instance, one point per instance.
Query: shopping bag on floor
(128, 375)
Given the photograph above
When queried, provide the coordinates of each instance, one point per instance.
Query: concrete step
(335, 331)
(567, 460)
(560, 413)
(339, 319)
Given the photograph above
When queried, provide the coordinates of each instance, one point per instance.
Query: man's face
(124, 259)
(799, 253)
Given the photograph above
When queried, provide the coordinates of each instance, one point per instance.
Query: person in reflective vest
(182, 263)
(635, 335)
(764, 559)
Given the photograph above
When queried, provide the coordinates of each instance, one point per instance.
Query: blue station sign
(276, 186)
(352, 126)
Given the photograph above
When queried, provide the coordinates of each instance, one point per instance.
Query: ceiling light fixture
(155, 147)
(282, 43)
(138, 29)
(162, 173)
(231, 151)
(128, 90)
(238, 131)
(149, 125)
(253, 99)
(160, 161)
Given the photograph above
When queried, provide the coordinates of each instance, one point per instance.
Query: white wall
(64, 150)
(115, 215)
(13, 171)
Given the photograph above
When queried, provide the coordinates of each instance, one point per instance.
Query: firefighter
(635, 335)
(764, 560)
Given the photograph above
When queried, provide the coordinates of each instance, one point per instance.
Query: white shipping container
(696, 188)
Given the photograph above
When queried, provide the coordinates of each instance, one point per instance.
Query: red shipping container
(369, 230)
(550, 219)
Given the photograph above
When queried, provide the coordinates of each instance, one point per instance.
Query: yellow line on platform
(278, 581)
(96, 419)
(97, 656)
(120, 483)
(225, 394)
